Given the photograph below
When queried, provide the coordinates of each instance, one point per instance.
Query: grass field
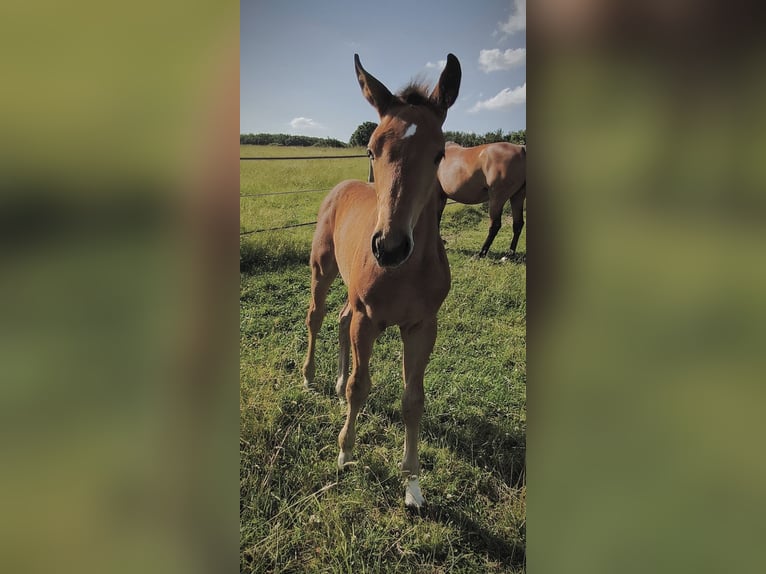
(297, 512)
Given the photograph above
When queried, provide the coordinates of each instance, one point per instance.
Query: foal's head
(405, 150)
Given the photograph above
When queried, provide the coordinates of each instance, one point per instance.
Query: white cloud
(493, 60)
(504, 99)
(440, 64)
(305, 124)
(517, 21)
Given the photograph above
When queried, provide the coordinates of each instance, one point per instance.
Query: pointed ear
(373, 91)
(446, 90)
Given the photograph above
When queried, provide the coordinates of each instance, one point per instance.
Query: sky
(297, 61)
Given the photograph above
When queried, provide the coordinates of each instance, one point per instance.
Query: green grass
(297, 512)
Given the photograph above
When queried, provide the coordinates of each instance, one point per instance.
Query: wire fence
(271, 193)
(283, 192)
(302, 157)
(251, 231)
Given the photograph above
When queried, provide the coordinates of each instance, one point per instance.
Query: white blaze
(411, 130)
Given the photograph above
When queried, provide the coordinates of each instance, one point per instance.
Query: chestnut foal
(383, 239)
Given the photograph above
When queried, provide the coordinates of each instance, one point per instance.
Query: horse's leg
(344, 323)
(324, 270)
(495, 221)
(517, 211)
(418, 344)
(362, 334)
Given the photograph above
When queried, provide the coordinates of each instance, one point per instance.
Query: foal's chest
(402, 298)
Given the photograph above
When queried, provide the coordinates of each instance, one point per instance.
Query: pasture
(298, 513)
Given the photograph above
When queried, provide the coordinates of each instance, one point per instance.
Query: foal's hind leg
(418, 344)
(344, 324)
(324, 270)
(362, 333)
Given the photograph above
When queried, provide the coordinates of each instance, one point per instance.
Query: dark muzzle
(390, 253)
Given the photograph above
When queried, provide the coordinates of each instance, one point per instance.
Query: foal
(383, 239)
(493, 172)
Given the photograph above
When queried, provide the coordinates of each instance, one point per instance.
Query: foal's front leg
(362, 334)
(344, 340)
(418, 343)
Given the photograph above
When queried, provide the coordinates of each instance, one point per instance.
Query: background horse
(383, 239)
(493, 172)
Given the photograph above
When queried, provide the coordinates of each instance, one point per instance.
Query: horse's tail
(523, 186)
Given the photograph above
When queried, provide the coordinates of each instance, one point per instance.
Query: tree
(361, 137)
(472, 139)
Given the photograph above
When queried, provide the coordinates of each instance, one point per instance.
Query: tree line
(361, 137)
(472, 139)
(288, 140)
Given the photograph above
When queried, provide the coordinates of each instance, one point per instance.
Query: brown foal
(383, 239)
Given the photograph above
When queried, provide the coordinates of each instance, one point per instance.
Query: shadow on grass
(495, 257)
(481, 443)
(481, 540)
(460, 218)
(484, 542)
(478, 441)
(263, 255)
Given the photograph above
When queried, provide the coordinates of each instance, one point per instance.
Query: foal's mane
(416, 93)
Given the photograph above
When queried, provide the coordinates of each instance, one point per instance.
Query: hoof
(413, 498)
(344, 460)
(306, 384)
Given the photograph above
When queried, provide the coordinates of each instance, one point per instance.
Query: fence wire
(283, 192)
(251, 231)
(302, 157)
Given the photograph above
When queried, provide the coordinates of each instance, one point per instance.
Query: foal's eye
(439, 157)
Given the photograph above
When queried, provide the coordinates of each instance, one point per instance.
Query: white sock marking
(413, 497)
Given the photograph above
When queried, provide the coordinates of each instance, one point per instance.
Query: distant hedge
(471, 139)
(288, 140)
(462, 138)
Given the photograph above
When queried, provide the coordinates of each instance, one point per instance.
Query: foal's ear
(373, 91)
(446, 90)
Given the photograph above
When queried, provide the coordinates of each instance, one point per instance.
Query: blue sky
(297, 61)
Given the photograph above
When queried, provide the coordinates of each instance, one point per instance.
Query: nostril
(388, 255)
(375, 244)
(407, 246)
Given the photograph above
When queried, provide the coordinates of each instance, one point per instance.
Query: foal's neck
(428, 222)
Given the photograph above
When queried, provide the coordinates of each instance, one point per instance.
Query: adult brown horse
(383, 239)
(493, 172)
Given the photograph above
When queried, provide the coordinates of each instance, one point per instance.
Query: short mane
(416, 94)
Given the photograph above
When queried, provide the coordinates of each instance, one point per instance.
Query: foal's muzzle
(390, 251)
